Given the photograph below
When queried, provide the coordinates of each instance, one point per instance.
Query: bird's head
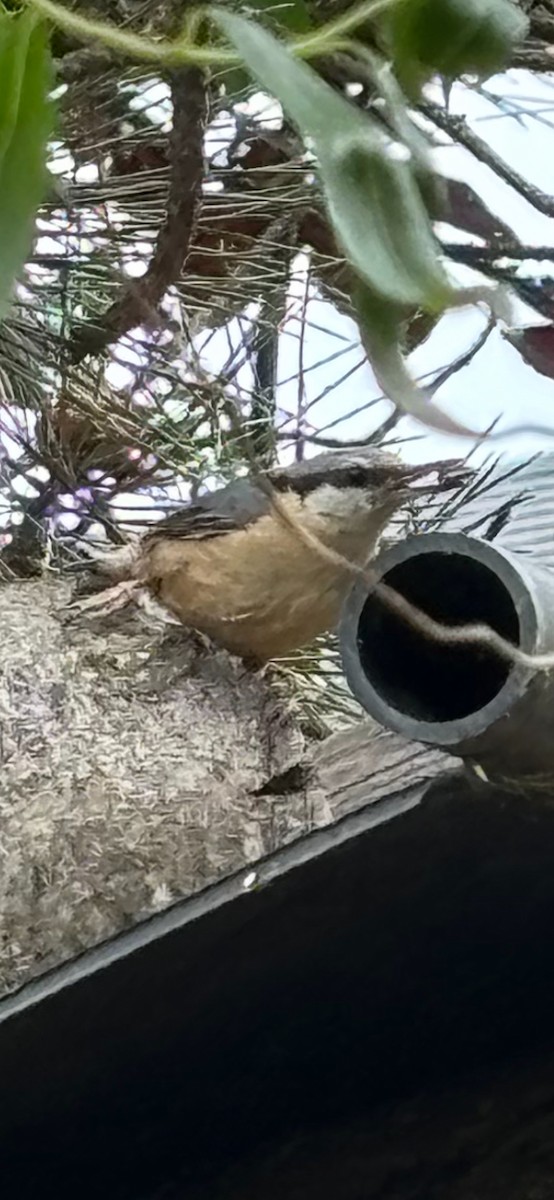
(365, 475)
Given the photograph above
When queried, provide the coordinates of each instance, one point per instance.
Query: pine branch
(139, 301)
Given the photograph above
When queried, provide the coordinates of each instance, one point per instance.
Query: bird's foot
(107, 601)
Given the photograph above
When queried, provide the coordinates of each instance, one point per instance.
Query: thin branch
(458, 129)
(539, 59)
(501, 249)
(537, 292)
(301, 382)
(390, 422)
(463, 360)
(386, 427)
(140, 300)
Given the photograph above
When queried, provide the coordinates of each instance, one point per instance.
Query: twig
(458, 129)
(537, 292)
(301, 382)
(139, 301)
(500, 249)
(463, 360)
(538, 59)
(476, 633)
(372, 439)
(385, 427)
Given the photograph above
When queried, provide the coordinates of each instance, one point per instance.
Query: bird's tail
(117, 563)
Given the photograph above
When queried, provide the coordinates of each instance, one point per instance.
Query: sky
(340, 389)
(497, 383)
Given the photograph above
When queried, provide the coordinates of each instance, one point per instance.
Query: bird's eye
(356, 477)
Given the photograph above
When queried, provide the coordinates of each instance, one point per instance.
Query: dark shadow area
(420, 677)
(381, 971)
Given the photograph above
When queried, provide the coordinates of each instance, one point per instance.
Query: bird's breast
(260, 591)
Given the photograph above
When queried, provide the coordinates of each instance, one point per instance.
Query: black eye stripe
(339, 477)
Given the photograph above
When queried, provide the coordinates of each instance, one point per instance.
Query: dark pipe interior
(417, 676)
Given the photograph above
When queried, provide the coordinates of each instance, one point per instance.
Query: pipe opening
(420, 677)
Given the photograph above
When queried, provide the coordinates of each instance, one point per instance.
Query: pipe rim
(440, 733)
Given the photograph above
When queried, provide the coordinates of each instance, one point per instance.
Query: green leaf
(292, 16)
(451, 37)
(299, 89)
(369, 181)
(376, 208)
(431, 185)
(379, 330)
(26, 120)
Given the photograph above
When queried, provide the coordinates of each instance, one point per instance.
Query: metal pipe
(461, 698)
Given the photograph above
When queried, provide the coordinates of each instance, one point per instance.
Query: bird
(232, 567)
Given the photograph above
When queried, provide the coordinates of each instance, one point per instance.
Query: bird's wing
(231, 508)
(192, 522)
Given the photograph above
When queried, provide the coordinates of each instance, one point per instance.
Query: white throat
(350, 506)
